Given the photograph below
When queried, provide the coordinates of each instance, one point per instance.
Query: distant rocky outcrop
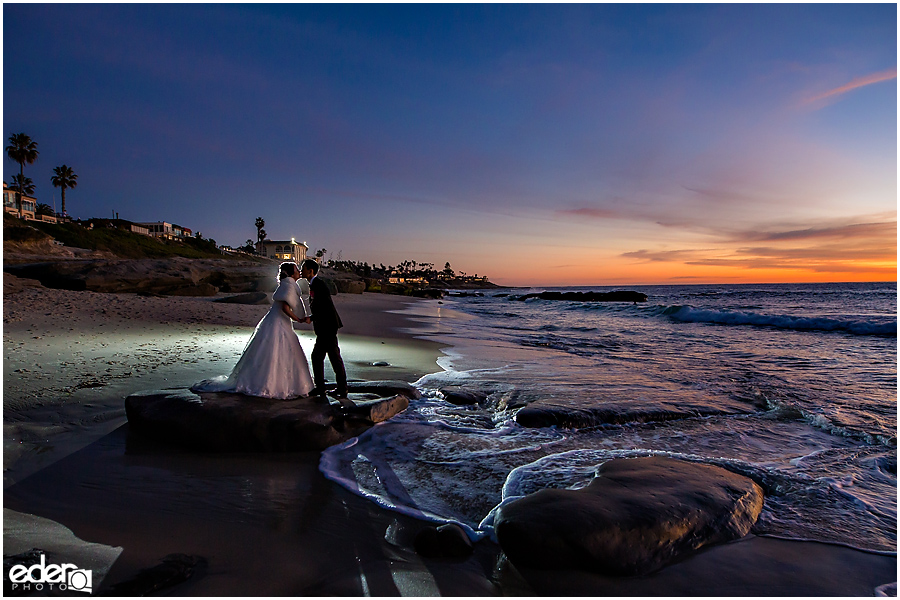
(617, 296)
(636, 516)
(231, 422)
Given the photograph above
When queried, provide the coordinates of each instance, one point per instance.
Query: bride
(273, 364)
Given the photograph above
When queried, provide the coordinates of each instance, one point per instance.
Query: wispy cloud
(856, 230)
(823, 248)
(852, 85)
(684, 256)
(594, 213)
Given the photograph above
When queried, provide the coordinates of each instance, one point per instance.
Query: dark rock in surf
(462, 397)
(384, 388)
(617, 296)
(549, 414)
(635, 517)
(431, 293)
(446, 541)
(231, 422)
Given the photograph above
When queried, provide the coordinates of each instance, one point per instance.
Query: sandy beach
(78, 486)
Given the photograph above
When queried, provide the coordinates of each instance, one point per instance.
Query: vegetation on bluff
(110, 235)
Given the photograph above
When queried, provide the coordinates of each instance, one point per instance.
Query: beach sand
(77, 485)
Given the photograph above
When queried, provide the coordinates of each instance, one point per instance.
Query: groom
(326, 323)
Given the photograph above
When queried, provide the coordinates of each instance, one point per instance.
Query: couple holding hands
(273, 364)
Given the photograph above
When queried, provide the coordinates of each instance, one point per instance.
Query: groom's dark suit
(326, 323)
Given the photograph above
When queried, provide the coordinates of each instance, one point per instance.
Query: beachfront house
(406, 279)
(10, 206)
(29, 206)
(283, 249)
(169, 231)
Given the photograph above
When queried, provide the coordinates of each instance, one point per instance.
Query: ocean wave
(688, 314)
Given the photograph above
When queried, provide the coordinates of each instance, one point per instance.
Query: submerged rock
(549, 414)
(635, 517)
(232, 422)
(457, 395)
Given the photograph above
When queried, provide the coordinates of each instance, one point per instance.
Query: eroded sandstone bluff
(231, 422)
(636, 516)
(168, 276)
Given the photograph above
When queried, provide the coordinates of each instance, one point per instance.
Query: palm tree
(64, 178)
(260, 232)
(23, 185)
(44, 209)
(22, 149)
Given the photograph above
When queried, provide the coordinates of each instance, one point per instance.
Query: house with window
(166, 230)
(291, 250)
(9, 203)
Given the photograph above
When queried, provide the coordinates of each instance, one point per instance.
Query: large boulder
(636, 516)
(231, 422)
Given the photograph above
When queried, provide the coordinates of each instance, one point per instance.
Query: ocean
(792, 385)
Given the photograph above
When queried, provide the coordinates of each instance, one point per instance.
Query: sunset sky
(536, 144)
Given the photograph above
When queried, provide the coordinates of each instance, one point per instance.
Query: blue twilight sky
(544, 144)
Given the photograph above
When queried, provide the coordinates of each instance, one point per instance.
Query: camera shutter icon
(80, 580)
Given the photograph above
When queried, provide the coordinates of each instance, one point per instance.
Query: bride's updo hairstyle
(286, 270)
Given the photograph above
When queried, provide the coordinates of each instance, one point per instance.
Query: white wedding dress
(273, 364)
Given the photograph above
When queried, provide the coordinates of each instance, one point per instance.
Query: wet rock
(378, 410)
(636, 516)
(231, 422)
(446, 541)
(617, 296)
(249, 298)
(462, 397)
(548, 414)
(384, 388)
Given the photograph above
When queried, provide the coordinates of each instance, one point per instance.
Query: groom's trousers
(328, 344)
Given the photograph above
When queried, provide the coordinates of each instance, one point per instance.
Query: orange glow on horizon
(624, 272)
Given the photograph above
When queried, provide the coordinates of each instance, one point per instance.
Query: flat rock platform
(232, 422)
